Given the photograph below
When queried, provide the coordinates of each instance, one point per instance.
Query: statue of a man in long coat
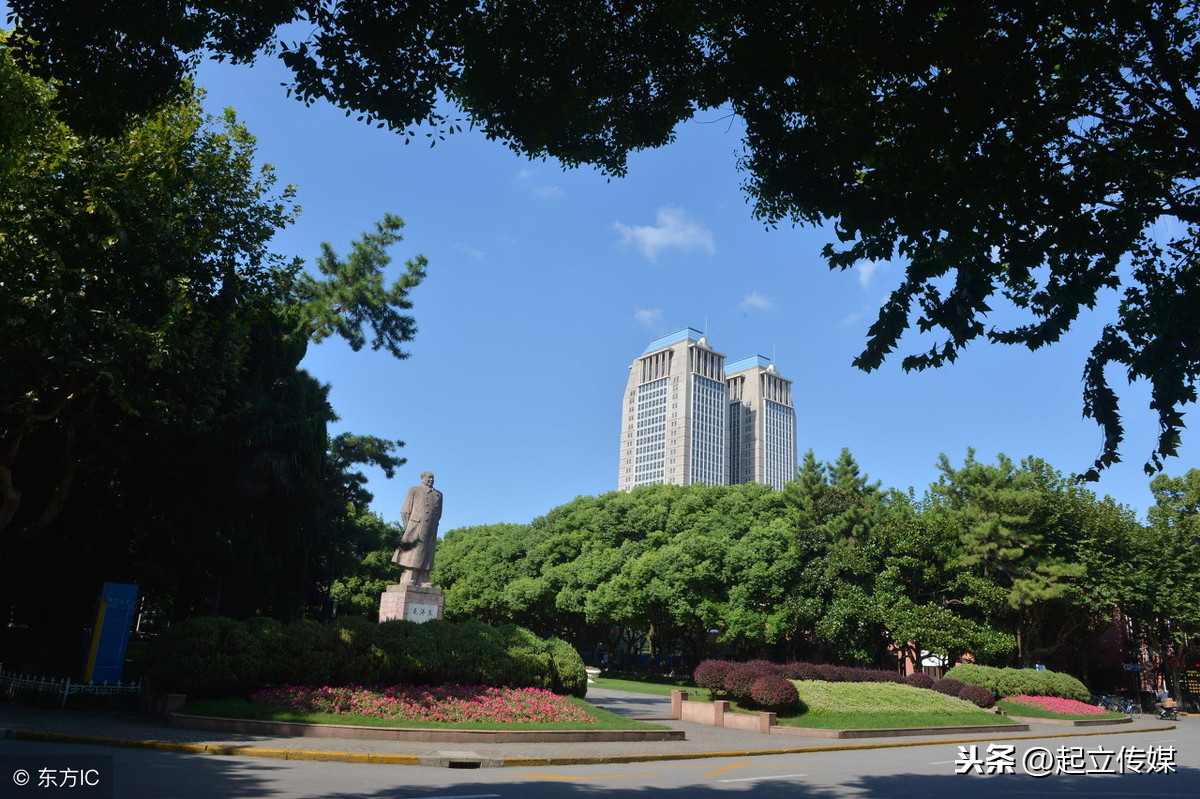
(420, 514)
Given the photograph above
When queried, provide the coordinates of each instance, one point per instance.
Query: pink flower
(450, 703)
(1055, 704)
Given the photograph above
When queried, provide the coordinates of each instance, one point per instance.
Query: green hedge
(214, 657)
(1013, 682)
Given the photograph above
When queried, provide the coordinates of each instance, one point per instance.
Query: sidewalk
(128, 729)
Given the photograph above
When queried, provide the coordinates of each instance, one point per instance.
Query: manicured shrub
(765, 666)
(774, 691)
(570, 675)
(311, 654)
(268, 647)
(1065, 686)
(978, 695)
(710, 675)
(948, 687)
(215, 657)
(800, 671)
(1010, 682)
(740, 677)
(1030, 682)
(192, 656)
(973, 674)
(919, 679)
(874, 675)
(830, 673)
(833, 673)
(351, 647)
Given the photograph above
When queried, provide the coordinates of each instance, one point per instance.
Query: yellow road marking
(726, 768)
(570, 777)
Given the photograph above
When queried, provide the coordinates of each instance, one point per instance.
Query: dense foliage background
(1015, 564)
(155, 427)
(216, 657)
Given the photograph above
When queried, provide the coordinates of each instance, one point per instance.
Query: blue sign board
(110, 634)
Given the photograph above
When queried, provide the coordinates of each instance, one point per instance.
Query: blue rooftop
(747, 363)
(687, 334)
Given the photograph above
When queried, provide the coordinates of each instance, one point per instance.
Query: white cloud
(756, 301)
(543, 190)
(649, 317)
(855, 317)
(866, 270)
(469, 250)
(675, 230)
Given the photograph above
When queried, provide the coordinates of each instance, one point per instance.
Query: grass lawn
(245, 709)
(849, 705)
(1032, 712)
(643, 687)
(879, 705)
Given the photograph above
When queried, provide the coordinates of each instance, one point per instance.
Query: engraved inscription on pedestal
(419, 613)
(418, 603)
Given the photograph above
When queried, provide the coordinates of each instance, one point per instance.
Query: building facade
(681, 422)
(762, 423)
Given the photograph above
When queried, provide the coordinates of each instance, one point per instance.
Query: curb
(452, 759)
(294, 729)
(644, 758)
(1072, 722)
(216, 749)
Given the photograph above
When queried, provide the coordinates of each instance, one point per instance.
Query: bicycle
(1119, 704)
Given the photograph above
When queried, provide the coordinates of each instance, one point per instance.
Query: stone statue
(420, 514)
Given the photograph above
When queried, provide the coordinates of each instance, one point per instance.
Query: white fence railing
(11, 683)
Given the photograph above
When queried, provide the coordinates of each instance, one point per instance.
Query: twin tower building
(690, 417)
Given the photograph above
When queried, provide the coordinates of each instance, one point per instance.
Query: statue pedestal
(418, 603)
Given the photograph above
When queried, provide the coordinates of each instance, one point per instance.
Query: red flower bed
(1055, 704)
(448, 703)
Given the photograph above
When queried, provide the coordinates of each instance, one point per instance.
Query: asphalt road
(919, 771)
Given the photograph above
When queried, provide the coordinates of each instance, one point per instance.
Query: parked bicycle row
(1161, 705)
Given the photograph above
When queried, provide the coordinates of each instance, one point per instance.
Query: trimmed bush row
(741, 680)
(758, 682)
(831, 673)
(1011, 682)
(948, 686)
(978, 695)
(214, 657)
(774, 691)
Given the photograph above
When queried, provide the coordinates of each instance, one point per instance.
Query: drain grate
(461, 758)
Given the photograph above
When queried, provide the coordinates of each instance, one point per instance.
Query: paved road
(914, 767)
(924, 771)
(628, 703)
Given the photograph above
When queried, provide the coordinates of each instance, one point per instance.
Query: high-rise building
(674, 414)
(762, 423)
(678, 410)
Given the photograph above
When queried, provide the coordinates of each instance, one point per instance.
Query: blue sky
(545, 284)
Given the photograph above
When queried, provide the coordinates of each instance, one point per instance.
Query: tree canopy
(1009, 562)
(1024, 155)
(155, 426)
